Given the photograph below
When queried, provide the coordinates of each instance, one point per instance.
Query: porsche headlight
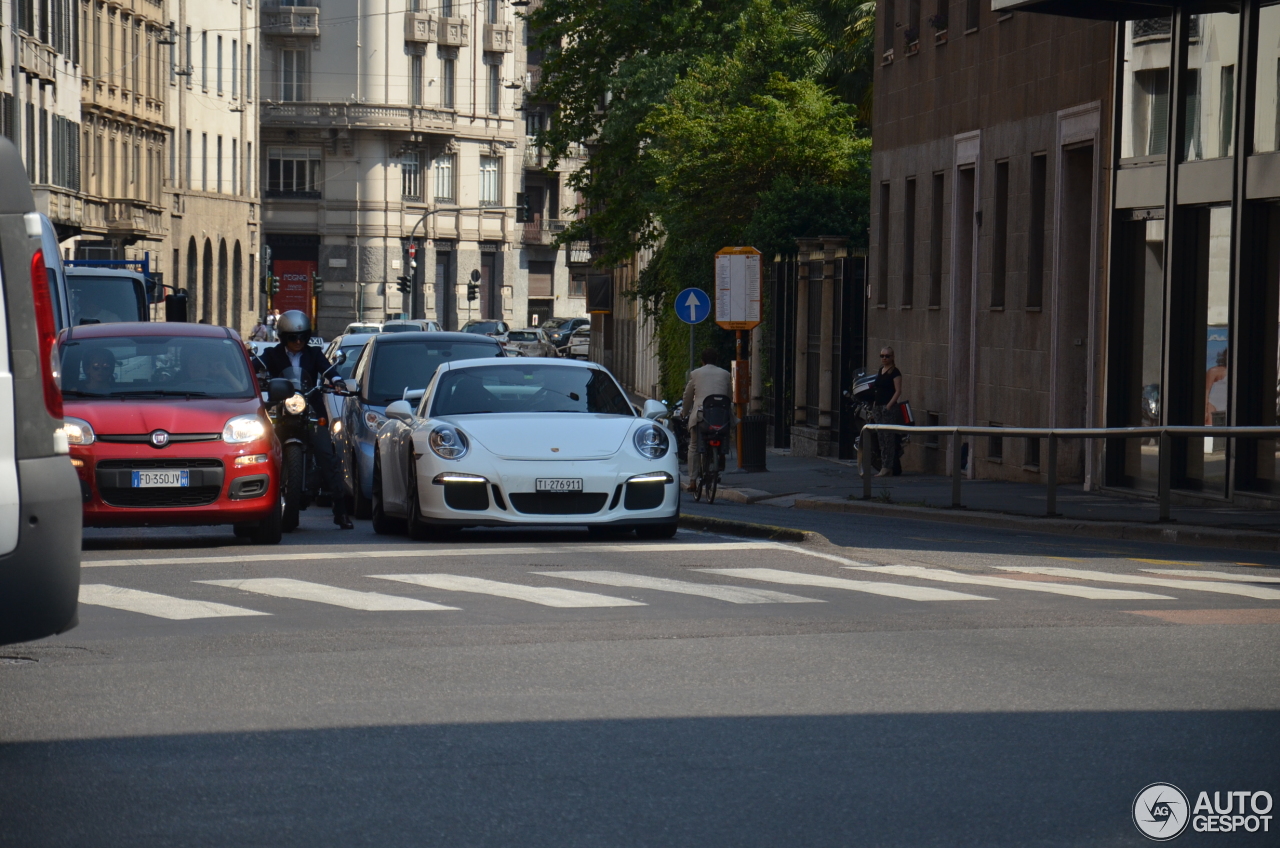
(294, 405)
(652, 442)
(78, 431)
(374, 421)
(447, 442)
(244, 429)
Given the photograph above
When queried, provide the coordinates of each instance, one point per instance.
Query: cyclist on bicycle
(708, 380)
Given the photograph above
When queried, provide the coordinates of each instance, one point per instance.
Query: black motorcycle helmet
(293, 325)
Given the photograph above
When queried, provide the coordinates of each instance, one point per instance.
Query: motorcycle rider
(294, 331)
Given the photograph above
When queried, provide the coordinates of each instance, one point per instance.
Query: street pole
(691, 363)
(739, 365)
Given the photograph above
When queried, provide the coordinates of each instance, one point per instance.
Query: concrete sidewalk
(835, 486)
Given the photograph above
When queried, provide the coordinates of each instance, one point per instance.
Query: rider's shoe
(343, 522)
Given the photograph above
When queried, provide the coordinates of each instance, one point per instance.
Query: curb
(1181, 535)
(745, 528)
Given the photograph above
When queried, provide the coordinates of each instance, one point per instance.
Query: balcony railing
(291, 21)
(358, 115)
(1152, 29)
(542, 230)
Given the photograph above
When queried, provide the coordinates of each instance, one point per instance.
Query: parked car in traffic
(579, 346)
(499, 442)
(497, 329)
(40, 519)
(166, 426)
(391, 367)
(529, 342)
(349, 347)
(362, 327)
(559, 330)
(410, 325)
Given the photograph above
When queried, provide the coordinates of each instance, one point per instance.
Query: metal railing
(1163, 435)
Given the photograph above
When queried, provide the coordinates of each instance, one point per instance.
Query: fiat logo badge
(159, 438)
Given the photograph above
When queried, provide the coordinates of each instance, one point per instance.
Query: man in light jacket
(710, 379)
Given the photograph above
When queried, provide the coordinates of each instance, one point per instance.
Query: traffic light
(473, 291)
(274, 284)
(317, 284)
(524, 208)
(404, 284)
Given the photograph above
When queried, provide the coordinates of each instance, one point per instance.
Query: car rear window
(518, 336)
(528, 388)
(481, 327)
(411, 365)
(155, 366)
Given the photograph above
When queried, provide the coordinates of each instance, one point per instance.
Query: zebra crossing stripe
(731, 594)
(1217, 575)
(159, 606)
(1255, 592)
(546, 596)
(302, 590)
(891, 590)
(942, 575)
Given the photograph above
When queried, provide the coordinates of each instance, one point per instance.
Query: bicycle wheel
(712, 485)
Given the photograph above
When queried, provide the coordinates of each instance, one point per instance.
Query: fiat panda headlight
(447, 442)
(244, 429)
(652, 442)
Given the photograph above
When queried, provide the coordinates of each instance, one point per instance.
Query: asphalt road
(910, 684)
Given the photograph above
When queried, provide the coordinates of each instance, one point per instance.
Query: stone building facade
(987, 266)
(392, 123)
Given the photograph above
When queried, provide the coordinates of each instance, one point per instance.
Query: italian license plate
(558, 484)
(150, 479)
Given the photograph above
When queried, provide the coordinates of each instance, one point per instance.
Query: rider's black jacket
(313, 363)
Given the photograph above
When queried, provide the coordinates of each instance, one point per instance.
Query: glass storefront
(1209, 86)
(1144, 128)
(1266, 128)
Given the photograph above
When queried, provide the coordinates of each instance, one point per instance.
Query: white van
(40, 513)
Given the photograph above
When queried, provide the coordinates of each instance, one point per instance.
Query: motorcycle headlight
(244, 429)
(294, 405)
(652, 441)
(78, 431)
(447, 442)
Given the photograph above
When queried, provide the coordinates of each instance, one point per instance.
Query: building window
(490, 181)
(1000, 235)
(1210, 85)
(219, 65)
(293, 172)
(293, 75)
(1036, 230)
(1031, 454)
(235, 69)
(415, 80)
(1266, 74)
(491, 11)
(204, 161)
(890, 16)
(882, 249)
(410, 176)
(909, 244)
(249, 164)
(446, 8)
(972, 9)
(1227, 112)
(995, 445)
(534, 123)
(248, 72)
(190, 156)
(444, 177)
(1149, 113)
(495, 88)
(204, 61)
(577, 285)
(235, 166)
(936, 214)
(188, 69)
(448, 75)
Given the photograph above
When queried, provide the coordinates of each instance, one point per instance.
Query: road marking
(1143, 580)
(732, 594)
(160, 606)
(892, 590)
(546, 596)
(435, 551)
(1162, 562)
(1219, 575)
(301, 590)
(1092, 593)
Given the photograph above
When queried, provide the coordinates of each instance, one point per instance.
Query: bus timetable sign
(738, 288)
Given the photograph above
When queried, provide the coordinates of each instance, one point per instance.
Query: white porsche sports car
(534, 442)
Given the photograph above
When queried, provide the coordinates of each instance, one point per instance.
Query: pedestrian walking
(888, 391)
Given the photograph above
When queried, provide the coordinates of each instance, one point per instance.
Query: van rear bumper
(40, 579)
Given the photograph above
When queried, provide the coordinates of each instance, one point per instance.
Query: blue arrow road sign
(693, 306)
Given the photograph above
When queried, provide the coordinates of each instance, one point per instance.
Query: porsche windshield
(528, 388)
(157, 366)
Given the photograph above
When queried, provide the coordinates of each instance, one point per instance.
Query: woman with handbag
(888, 391)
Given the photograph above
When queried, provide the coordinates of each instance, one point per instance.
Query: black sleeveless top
(884, 386)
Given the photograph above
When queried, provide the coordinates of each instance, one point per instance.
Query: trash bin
(755, 433)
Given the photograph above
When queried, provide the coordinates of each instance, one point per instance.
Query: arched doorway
(237, 287)
(206, 284)
(193, 259)
(222, 283)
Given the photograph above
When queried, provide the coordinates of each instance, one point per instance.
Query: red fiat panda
(167, 427)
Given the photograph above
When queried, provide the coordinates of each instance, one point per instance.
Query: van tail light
(47, 336)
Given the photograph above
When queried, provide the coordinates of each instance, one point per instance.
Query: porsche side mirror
(278, 389)
(653, 409)
(401, 411)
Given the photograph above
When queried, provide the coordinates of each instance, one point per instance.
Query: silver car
(529, 342)
(580, 342)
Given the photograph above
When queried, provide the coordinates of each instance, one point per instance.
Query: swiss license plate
(559, 484)
(149, 479)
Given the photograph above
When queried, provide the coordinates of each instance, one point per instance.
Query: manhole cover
(17, 660)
